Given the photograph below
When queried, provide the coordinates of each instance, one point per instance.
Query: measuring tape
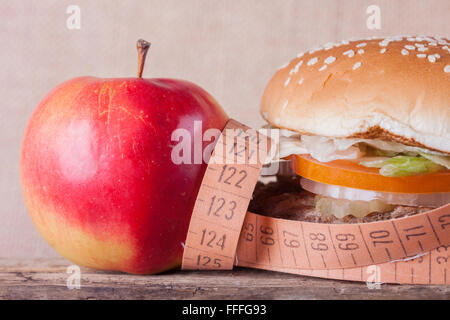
(222, 234)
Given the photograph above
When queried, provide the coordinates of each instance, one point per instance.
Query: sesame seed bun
(395, 89)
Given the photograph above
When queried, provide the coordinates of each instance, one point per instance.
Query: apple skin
(97, 175)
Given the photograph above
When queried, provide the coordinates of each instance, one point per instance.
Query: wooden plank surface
(47, 279)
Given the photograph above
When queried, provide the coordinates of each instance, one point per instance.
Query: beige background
(230, 47)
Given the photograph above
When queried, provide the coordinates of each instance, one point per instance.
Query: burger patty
(287, 200)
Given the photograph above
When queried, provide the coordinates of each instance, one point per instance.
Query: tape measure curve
(223, 234)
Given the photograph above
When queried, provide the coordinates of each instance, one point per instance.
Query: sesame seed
(405, 52)
(283, 66)
(437, 55)
(356, 65)
(314, 50)
(383, 50)
(328, 46)
(312, 61)
(284, 105)
(345, 42)
(419, 45)
(287, 81)
(447, 68)
(323, 67)
(409, 47)
(411, 39)
(383, 43)
(349, 53)
(360, 51)
(297, 66)
(300, 81)
(431, 58)
(360, 45)
(421, 55)
(330, 59)
(422, 49)
(434, 44)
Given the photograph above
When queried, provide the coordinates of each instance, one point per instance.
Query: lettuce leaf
(443, 161)
(392, 158)
(400, 166)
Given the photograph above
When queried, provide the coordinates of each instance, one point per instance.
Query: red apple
(97, 175)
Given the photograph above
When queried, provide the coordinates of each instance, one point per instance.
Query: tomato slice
(347, 173)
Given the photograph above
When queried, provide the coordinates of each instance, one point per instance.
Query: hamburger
(365, 127)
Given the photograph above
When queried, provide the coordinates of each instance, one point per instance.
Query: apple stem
(142, 49)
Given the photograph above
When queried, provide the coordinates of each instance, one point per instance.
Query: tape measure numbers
(356, 252)
(223, 198)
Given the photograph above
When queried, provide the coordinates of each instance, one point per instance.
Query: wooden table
(47, 279)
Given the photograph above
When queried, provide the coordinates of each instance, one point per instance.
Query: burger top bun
(392, 89)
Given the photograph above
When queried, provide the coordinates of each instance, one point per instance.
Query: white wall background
(231, 48)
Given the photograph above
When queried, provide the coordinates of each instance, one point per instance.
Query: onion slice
(407, 199)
